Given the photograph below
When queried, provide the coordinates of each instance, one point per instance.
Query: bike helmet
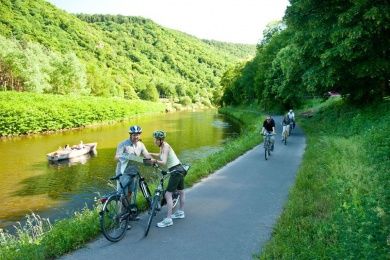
(135, 129)
(159, 134)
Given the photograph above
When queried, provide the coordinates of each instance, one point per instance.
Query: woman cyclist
(168, 159)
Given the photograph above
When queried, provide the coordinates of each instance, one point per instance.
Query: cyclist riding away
(269, 127)
(291, 116)
(130, 147)
(168, 159)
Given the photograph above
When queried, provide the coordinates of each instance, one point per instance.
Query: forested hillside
(319, 46)
(46, 50)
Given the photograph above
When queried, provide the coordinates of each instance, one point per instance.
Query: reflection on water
(29, 183)
(221, 124)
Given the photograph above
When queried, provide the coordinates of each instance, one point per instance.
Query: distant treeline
(319, 46)
(46, 50)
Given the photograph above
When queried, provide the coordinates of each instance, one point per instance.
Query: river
(29, 183)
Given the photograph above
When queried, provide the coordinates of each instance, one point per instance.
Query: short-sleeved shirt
(127, 147)
(269, 125)
(291, 115)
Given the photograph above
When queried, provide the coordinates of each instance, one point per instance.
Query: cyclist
(269, 127)
(168, 159)
(286, 124)
(130, 147)
(291, 116)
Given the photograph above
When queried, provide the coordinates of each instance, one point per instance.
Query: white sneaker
(166, 222)
(178, 214)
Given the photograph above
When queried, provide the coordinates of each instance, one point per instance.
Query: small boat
(82, 159)
(71, 152)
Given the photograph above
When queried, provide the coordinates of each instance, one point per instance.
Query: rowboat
(82, 159)
(71, 152)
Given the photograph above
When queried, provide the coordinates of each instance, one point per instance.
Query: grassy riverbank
(339, 207)
(26, 113)
(41, 240)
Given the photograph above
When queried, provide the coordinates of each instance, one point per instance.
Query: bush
(186, 100)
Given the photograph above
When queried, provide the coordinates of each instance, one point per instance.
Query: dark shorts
(176, 180)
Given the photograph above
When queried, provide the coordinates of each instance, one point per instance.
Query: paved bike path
(229, 215)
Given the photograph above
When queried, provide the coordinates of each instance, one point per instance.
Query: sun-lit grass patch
(47, 112)
(339, 207)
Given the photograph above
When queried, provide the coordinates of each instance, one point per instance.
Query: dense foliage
(319, 46)
(46, 50)
(48, 112)
(339, 207)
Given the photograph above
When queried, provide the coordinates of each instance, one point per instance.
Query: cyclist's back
(291, 115)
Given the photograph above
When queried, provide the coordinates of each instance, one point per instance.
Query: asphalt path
(229, 215)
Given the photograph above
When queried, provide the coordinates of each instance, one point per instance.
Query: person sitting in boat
(78, 146)
(67, 148)
(81, 145)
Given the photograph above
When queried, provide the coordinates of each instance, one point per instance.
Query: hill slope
(56, 52)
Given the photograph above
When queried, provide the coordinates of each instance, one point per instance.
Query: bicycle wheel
(285, 137)
(113, 222)
(266, 152)
(153, 210)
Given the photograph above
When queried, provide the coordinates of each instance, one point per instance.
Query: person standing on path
(168, 159)
(131, 147)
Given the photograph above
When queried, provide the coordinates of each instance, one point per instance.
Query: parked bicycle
(158, 198)
(117, 210)
(267, 145)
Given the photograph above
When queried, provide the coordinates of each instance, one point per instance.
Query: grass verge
(27, 113)
(69, 234)
(340, 204)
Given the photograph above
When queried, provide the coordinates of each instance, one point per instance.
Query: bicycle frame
(122, 194)
(158, 196)
(267, 145)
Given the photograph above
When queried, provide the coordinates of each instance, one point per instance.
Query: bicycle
(117, 210)
(267, 145)
(158, 197)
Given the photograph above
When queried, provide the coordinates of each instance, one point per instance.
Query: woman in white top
(168, 159)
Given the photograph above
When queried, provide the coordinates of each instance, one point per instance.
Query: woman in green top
(168, 159)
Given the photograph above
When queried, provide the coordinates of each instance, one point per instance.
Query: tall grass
(339, 207)
(69, 234)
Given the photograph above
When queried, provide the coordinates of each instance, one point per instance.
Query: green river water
(29, 183)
